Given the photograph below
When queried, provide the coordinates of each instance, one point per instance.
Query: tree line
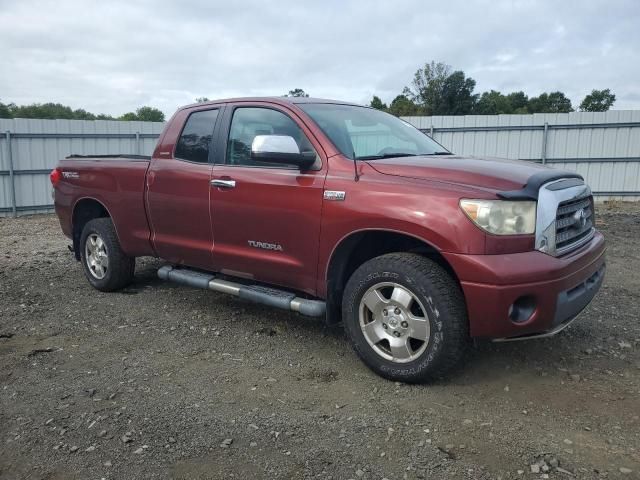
(59, 111)
(436, 89)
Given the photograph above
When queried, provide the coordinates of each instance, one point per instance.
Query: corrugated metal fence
(29, 149)
(603, 147)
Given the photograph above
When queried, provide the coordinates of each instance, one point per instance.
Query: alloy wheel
(394, 322)
(96, 256)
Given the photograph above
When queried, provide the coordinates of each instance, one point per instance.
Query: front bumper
(558, 288)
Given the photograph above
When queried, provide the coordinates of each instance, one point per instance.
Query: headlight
(501, 217)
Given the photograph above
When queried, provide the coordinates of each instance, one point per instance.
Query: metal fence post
(545, 135)
(431, 131)
(137, 143)
(12, 184)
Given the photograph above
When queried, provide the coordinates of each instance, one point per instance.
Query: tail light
(55, 176)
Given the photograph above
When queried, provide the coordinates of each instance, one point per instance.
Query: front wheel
(405, 317)
(105, 265)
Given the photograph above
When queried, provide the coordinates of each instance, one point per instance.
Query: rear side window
(195, 141)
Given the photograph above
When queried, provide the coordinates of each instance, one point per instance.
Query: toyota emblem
(580, 218)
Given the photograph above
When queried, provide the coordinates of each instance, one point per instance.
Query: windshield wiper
(387, 155)
(439, 153)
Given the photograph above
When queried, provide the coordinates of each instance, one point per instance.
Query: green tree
(554, 102)
(492, 103)
(297, 92)
(518, 102)
(44, 110)
(5, 111)
(403, 106)
(52, 110)
(457, 97)
(495, 103)
(426, 87)
(559, 102)
(377, 103)
(202, 99)
(436, 90)
(128, 117)
(150, 114)
(81, 114)
(598, 101)
(144, 114)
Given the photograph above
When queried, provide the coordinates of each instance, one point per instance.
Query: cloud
(115, 56)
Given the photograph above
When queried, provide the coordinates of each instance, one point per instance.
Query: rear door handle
(223, 183)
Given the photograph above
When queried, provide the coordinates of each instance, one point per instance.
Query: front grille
(574, 224)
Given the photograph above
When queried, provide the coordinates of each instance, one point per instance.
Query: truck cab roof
(276, 100)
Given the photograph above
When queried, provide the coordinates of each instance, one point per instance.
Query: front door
(266, 217)
(178, 191)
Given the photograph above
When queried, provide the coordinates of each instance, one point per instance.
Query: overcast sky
(112, 56)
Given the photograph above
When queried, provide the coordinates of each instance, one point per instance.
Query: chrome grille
(559, 229)
(574, 224)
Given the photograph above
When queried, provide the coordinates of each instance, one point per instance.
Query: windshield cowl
(400, 155)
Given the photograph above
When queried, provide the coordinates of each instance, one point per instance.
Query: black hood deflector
(531, 189)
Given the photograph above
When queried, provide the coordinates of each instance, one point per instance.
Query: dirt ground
(164, 381)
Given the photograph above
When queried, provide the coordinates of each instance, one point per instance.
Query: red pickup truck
(342, 211)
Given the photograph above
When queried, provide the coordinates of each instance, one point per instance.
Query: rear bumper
(557, 289)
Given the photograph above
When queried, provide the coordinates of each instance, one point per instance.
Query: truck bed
(115, 181)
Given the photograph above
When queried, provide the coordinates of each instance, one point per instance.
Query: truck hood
(486, 173)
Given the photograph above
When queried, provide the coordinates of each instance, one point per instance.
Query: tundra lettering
(428, 250)
(266, 246)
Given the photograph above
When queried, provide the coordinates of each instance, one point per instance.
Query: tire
(110, 268)
(405, 317)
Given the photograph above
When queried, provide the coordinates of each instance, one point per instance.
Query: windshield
(368, 134)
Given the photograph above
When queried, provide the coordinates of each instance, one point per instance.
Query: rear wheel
(105, 265)
(405, 317)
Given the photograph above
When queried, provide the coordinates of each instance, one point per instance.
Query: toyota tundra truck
(340, 211)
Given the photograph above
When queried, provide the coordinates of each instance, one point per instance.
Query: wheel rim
(394, 322)
(96, 256)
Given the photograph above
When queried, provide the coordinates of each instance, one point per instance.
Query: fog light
(522, 309)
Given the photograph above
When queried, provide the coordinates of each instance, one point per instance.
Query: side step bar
(254, 293)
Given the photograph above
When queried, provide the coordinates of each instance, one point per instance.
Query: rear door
(178, 189)
(266, 217)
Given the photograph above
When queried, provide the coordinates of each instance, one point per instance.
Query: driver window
(247, 122)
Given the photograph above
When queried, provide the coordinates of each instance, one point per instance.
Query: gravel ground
(163, 381)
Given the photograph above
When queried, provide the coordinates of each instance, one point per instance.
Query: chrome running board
(254, 293)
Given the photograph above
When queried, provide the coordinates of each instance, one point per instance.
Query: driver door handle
(223, 183)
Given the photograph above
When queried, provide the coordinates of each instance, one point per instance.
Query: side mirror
(280, 149)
